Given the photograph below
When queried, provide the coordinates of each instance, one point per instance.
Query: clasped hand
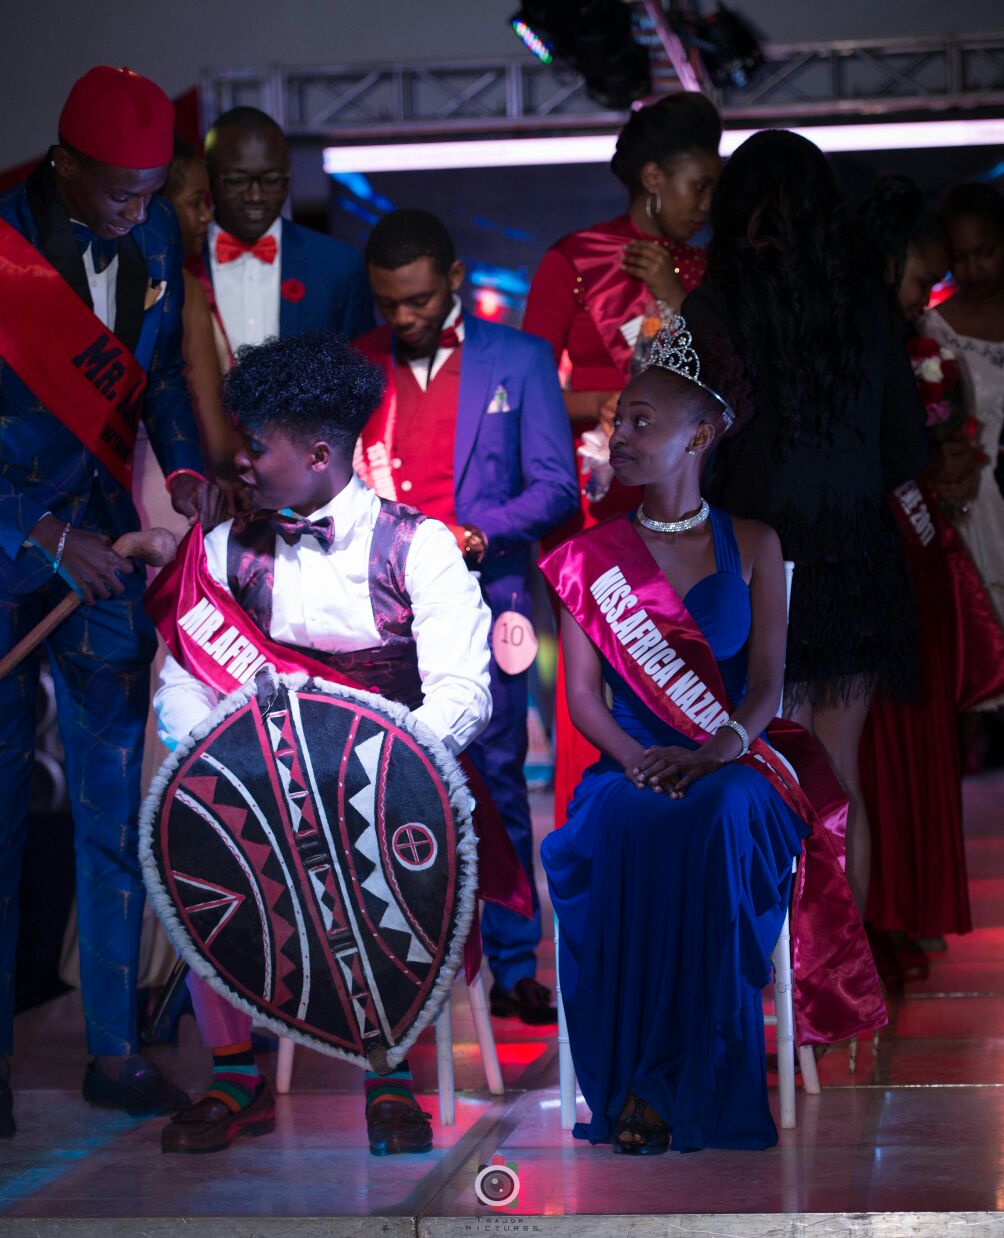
(670, 771)
(651, 262)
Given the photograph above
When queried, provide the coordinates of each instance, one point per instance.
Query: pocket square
(155, 289)
(500, 401)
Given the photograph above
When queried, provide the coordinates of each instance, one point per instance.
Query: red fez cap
(120, 118)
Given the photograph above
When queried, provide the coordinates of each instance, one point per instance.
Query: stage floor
(911, 1143)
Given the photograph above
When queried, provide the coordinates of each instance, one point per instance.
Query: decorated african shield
(311, 854)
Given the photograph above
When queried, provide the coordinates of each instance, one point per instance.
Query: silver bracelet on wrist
(59, 550)
(740, 730)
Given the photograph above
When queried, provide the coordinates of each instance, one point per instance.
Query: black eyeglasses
(241, 182)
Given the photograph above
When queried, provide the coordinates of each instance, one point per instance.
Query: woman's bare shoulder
(755, 537)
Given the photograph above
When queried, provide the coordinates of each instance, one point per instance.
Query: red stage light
(489, 303)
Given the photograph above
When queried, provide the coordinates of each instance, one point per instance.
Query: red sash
(210, 635)
(375, 446)
(214, 639)
(66, 357)
(938, 559)
(612, 587)
(611, 297)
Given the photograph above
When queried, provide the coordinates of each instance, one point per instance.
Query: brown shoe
(210, 1125)
(397, 1126)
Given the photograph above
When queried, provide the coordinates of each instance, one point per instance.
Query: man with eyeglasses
(267, 275)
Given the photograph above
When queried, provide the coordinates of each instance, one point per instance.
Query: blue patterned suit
(100, 656)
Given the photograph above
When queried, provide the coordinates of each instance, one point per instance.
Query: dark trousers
(100, 658)
(510, 940)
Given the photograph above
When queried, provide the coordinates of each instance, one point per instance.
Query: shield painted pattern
(311, 853)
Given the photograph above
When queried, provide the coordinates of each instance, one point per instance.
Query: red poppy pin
(293, 290)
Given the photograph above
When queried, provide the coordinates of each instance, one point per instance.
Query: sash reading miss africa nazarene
(66, 357)
(613, 588)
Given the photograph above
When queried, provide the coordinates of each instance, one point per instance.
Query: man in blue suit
(269, 276)
(90, 313)
(473, 431)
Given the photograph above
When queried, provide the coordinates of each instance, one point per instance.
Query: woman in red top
(591, 293)
(593, 287)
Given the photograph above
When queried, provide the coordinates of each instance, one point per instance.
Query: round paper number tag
(514, 642)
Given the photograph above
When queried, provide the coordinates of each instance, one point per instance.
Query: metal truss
(518, 94)
(885, 75)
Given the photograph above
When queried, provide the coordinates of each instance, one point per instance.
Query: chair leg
(784, 1008)
(486, 1037)
(444, 1065)
(284, 1065)
(810, 1076)
(566, 1067)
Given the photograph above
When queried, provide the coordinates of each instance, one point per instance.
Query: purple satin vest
(390, 668)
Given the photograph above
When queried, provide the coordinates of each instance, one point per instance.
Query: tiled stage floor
(911, 1143)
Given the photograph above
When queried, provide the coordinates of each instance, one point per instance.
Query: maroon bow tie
(292, 528)
(448, 337)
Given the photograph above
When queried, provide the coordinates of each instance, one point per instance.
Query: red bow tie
(292, 528)
(448, 337)
(229, 249)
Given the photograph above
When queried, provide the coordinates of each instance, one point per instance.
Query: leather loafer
(7, 1127)
(527, 1000)
(139, 1089)
(210, 1126)
(397, 1126)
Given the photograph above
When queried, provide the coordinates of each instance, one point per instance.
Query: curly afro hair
(313, 387)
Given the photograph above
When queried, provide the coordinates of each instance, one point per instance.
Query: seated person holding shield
(325, 575)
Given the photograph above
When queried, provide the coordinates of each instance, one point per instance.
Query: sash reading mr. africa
(66, 357)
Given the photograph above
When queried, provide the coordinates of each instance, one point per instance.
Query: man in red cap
(90, 332)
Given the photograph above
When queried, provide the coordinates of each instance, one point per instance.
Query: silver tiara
(673, 350)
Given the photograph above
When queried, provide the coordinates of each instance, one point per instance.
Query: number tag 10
(514, 642)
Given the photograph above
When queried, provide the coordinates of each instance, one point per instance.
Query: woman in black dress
(837, 423)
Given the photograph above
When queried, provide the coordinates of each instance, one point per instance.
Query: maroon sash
(611, 297)
(215, 640)
(66, 357)
(212, 637)
(943, 571)
(612, 587)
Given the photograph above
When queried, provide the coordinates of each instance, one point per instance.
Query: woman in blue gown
(671, 877)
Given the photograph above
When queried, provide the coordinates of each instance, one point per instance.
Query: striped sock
(236, 1078)
(398, 1085)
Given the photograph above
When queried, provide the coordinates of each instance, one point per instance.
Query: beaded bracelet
(59, 550)
(740, 730)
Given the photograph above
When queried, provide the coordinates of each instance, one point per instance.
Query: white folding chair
(444, 1053)
(783, 1018)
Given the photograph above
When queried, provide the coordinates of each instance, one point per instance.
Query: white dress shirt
(247, 291)
(321, 600)
(102, 287)
(420, 366)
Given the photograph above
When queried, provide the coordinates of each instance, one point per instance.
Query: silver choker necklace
(675, 526)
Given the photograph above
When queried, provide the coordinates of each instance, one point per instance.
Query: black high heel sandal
(653, 1137)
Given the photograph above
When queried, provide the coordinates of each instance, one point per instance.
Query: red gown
(910, 760)
(578, 301)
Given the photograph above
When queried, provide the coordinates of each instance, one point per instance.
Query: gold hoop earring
(650, 210)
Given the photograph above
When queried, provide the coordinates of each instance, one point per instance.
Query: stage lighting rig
(595, 37)
(728, 45)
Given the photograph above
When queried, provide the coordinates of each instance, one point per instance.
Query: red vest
(423, 442)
